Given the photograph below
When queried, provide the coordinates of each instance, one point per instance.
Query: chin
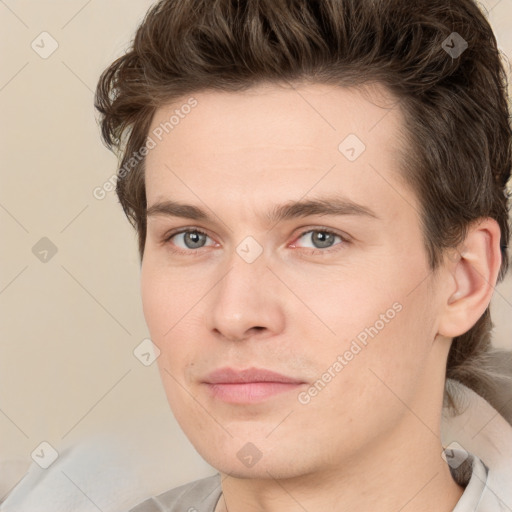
(245, 460)
(260, 471)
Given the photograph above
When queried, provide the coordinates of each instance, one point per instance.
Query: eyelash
(197, 252)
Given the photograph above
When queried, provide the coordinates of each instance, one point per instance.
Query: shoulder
(479, 448)
(197, 496)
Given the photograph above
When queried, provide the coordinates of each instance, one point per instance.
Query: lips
(248, 386)
(230, 376)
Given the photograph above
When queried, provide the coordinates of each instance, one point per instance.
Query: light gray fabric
(475, 485)
(203, 495)
(198, 496)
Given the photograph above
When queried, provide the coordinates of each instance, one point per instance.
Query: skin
(370, 439)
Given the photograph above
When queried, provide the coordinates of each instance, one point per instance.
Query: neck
(403, 471)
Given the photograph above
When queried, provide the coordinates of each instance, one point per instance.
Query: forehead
(278, 140)
(316, 114)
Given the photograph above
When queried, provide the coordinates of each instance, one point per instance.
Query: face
(340, 302)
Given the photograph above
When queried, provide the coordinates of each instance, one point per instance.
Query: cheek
(340, 304)
(384, 324)
(376, 378)
(165, 320)
(164, 295)
(165, 302)
(393, 360)
(154, 305)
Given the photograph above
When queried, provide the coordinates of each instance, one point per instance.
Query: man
(319, 194)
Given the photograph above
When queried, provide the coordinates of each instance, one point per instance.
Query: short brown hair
(458, 157)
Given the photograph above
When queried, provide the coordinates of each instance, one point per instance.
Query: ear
(473, 273)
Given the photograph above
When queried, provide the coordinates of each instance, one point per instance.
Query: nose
(247, 302)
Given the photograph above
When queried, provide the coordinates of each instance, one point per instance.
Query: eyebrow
(286, 211)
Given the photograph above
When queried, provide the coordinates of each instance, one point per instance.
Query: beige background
(69, 326)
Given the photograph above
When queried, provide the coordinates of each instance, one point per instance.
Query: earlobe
(473, 275)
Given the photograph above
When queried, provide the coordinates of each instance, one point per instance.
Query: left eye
(192, 239)
(320, 238)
